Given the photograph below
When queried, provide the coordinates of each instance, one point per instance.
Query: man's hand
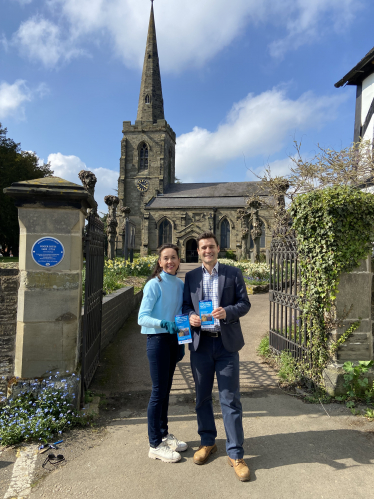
(219, 313)
(195, 320)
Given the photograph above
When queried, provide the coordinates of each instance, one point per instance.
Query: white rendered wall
(367, 98)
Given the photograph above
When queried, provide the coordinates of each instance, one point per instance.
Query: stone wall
(116, 308)
(9, 283)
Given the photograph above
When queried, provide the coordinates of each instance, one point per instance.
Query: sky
(242, 80)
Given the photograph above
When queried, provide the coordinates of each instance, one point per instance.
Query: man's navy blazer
(232, 296)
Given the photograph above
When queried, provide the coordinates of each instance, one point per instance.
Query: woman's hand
(170, 327)
(195, 320)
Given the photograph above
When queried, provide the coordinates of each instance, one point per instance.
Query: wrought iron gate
(91, 331)
(287, 328)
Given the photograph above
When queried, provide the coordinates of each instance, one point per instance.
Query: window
(225, 234)
(149, 56)
(262, 240)
(143, 157)
(164, 232)
(147, 99)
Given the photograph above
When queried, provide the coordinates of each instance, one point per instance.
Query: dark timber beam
(357, 130)
(368, 118)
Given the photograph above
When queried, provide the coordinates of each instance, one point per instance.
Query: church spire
(151, 103)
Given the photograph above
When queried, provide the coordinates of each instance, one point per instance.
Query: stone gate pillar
(51, 215)
(353, 303)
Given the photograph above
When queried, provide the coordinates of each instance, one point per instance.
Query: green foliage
(369, 413)
(288, 368)
(334, 229)
(263, 348)
(230, 255)
(356, 383)
(15, 166)
(38, 416)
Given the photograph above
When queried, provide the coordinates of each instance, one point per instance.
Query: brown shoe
(201, 456)
(241, 469)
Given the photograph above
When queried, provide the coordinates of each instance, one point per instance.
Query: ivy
(334, 228)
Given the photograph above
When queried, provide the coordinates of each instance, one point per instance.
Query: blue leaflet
(183, 323)
(206, 309)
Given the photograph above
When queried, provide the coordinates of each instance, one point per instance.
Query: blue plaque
(47, 252)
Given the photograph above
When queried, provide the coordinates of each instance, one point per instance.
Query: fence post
(112, 203)
(52, 214)
(125, 210)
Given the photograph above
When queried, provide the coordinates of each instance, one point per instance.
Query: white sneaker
(174, 443)
(164, 453)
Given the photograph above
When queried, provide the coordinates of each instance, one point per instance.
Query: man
(214, 349)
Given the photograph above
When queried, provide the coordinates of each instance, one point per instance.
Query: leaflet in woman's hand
(206, 310)
(184, 334)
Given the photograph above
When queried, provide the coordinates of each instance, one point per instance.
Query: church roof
(206, 195)
(151, 103)
(361, 71)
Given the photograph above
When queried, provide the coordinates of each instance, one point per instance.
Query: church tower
(147, 164)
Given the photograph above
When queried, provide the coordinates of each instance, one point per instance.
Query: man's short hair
(206, 235)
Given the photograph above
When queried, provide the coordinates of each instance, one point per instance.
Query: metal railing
(91, 332)
(287, 329)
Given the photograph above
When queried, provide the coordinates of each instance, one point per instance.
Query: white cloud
(278, 167)
(257, 125)
(42, 40)
(189, 33)
(12, 96)
(311, 20)
(68, 167)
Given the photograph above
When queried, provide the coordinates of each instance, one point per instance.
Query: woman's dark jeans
(162, 352)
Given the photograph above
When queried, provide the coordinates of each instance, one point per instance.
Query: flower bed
(40, 415)
(256, 275)
(119, 273)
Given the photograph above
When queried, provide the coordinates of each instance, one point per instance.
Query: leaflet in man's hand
(206, 310)
(183, 324)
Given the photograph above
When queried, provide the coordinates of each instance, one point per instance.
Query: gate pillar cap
(50, 191)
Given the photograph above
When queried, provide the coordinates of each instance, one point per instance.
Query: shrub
(263, 348)
(260, 270)
(230, 255)
(288, 368)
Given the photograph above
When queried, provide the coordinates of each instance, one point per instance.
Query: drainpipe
(214, 220)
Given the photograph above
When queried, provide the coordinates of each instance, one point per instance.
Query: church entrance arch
(191, 251)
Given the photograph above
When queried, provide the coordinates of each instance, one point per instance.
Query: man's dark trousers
(218, 355)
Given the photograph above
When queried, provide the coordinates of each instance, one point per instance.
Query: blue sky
(241, 80)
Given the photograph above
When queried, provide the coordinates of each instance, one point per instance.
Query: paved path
(294, 450)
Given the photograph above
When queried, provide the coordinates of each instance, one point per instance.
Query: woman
(162, 301)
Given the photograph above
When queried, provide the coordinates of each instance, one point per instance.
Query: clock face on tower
(142, 185)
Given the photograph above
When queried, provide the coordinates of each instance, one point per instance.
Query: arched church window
(143, 157)
(262, 240)
(147, 99)
(164, 232)
(225, 233)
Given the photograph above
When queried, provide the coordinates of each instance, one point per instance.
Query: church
(162, 210)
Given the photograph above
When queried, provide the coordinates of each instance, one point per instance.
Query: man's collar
(214, 270)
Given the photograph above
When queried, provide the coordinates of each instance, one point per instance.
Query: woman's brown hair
(158, 269)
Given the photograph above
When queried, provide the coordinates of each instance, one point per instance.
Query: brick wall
(8, 323)
(116, 309)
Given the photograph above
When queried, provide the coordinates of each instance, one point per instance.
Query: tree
(15, 166)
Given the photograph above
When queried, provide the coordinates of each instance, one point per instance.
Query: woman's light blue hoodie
(162, 301)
